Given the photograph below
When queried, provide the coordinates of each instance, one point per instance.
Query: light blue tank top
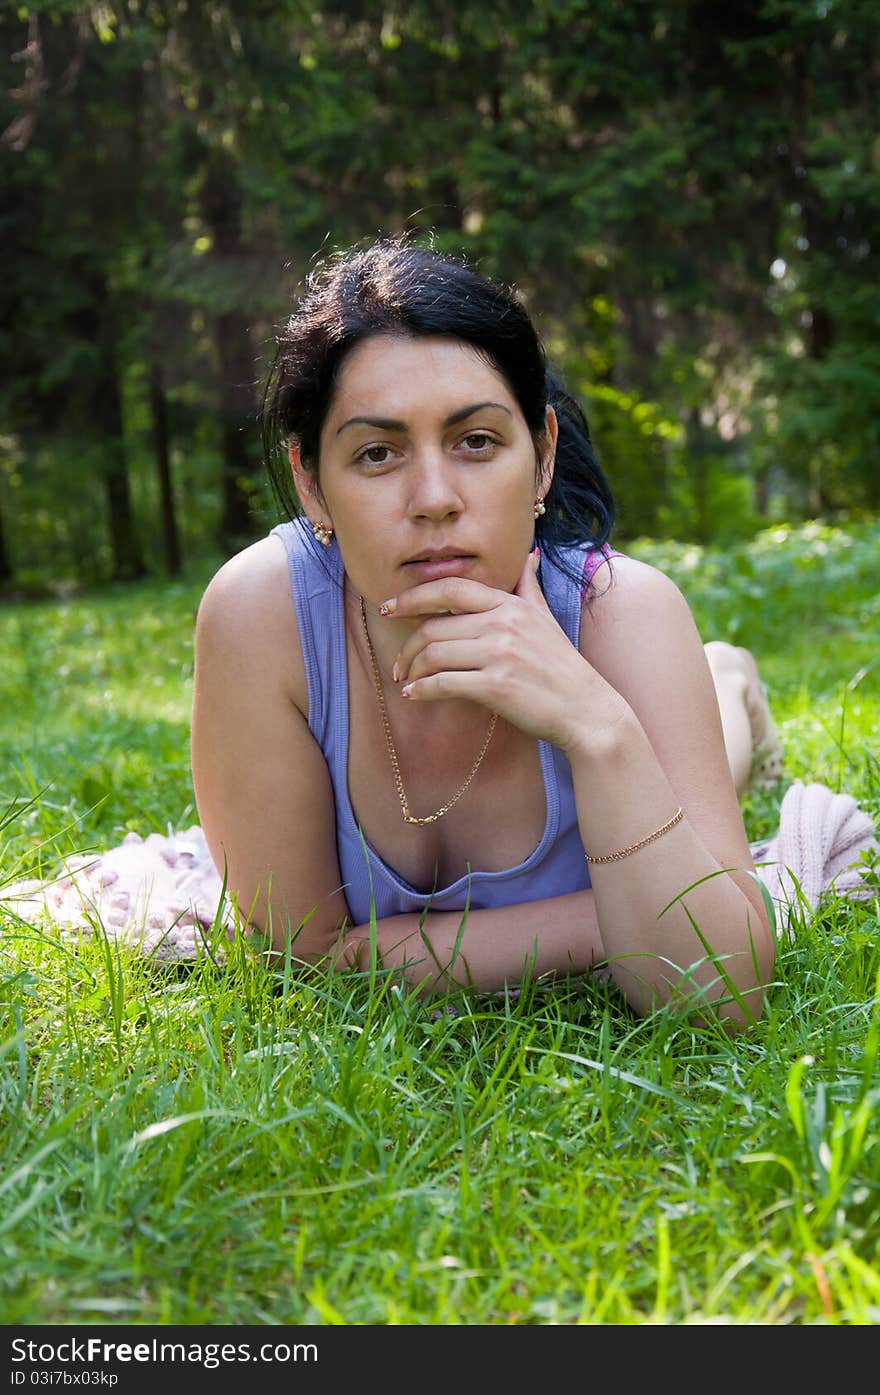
(556, 866)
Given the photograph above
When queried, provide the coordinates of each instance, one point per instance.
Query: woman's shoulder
(247, 583)
(638, 632)
(630, 599)
(247, 612)
(626, 577)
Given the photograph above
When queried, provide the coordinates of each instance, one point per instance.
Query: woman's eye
(479, 440)
(375, 455)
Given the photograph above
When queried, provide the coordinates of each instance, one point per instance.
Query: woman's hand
(505, 651)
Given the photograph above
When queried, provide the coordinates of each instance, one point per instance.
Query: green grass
(225, 1145)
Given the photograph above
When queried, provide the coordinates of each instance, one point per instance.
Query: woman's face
(427, 468)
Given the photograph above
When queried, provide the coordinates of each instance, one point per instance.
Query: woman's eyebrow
(477, 407)
(382, 423)
(390, 424)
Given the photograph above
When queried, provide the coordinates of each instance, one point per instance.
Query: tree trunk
(237, 425)
(159, 414)
(5, 560)
(699, 465)
(820, 227)
(221, 209)
(107, 417)
(761, 488)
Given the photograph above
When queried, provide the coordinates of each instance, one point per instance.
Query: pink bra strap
(594, 560)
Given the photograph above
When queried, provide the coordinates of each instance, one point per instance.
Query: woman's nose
(434, 493)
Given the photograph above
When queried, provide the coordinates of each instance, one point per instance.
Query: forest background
(685, 194)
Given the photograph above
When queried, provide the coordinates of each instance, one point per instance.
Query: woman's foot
(753, 745)
(767, 754)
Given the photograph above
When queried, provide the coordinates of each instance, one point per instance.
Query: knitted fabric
(817, 849)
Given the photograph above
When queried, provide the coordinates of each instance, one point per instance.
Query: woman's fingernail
(387, 606)
(406, 690)
(395, 673)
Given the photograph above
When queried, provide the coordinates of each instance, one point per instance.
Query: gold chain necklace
(395, 764)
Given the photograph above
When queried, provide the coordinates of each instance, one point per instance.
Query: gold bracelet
(634, 847)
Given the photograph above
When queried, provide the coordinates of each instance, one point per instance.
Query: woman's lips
(436, 568)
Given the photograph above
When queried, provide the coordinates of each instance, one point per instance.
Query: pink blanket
(817, 850)
(164, 894)
(161, 893)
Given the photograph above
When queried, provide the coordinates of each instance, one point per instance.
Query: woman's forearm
(483, 949)
(672, 921)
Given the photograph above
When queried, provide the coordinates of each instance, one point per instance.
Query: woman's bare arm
(264, 796)
(484, 949)
(663, 748)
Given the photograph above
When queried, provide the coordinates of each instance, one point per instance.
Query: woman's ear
(548, 449)
(305, 482)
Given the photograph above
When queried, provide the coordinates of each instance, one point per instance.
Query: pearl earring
(323, 533)
(539, 506)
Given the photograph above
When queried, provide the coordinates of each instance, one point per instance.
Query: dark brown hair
(393, 286)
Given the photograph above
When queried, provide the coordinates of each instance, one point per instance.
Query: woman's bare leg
(754, 751)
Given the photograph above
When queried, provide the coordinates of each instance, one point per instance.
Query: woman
(437, 699)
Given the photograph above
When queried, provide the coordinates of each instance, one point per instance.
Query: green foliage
(805, 601)
(635, 170)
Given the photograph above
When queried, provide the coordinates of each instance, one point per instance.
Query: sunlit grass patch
(224, 1142)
